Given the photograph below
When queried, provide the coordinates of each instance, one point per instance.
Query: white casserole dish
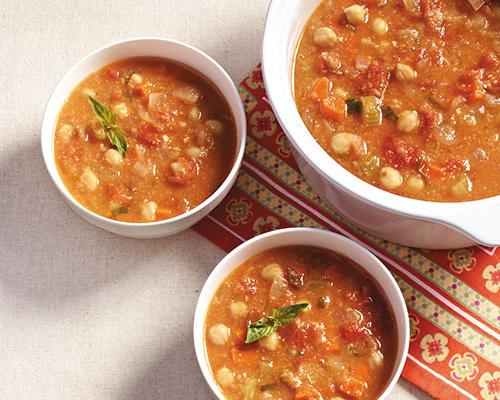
(395, 218)
(303, 237)
(149, 47)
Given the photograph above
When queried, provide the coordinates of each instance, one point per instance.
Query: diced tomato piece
(118, 194)
(182, 172)
(432, 11)
(353, 332)
(301, 336)
(375, 80)
(321, 65)
(139, 92)
(333, 108)
(308, 392)
(321, 89)
(149, 136)
(430, 121)
(472, 85)
(352, 387)
(402, 154)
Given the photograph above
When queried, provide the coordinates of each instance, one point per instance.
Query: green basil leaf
(267, 325)
(262, 328)
(287, 314)
(116, 136)
(103, 114)
(107, 119)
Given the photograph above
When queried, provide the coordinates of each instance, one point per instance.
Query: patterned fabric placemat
(452, 296)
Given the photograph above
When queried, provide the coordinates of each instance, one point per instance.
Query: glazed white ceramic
(152, 47)
(307, 237)
(383, 214)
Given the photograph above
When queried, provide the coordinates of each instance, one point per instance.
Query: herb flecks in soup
(143, 140)
(300, 323)
(405, 94)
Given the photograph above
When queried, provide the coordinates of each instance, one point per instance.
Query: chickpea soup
(301, 323)
(144, 139)
(405, 94)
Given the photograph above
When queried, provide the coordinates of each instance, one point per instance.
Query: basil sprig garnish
(107, 119)
(267, 325)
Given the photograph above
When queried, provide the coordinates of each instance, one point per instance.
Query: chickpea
(148, 211)
(272, 271)
(379, 26)
(324, 37)
(356, 14)
(390, 178)
(135, 79)
(239, 310)
(89, 180)
(462, 187)
(415, 183)
(65, 133)
(408, 121)
(270, 342)
(194, 114)
(215, 127)
(120, 110)
(342, 143)
(113, 157)
(225, 377)
(193, 152)
(376, 360)
(404, 72)
(332, 61)
(219, 334)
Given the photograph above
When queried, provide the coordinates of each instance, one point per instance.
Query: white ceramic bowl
(307, 237)
(151, 47)
(383, 214)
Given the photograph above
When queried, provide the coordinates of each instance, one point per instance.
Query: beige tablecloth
(85, 314)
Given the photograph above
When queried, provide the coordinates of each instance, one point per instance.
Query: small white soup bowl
(303, 237)
(145, 47)
(399, 219)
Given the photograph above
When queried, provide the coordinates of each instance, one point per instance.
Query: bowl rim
(226, 266)
(451, 214)
(236, 108)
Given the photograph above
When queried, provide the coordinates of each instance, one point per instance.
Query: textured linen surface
(85, 314)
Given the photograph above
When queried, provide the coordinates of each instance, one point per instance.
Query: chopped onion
(156, 102)
(145, 116)
(445, 134)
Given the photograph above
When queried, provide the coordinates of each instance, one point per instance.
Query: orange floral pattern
(434, 347)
